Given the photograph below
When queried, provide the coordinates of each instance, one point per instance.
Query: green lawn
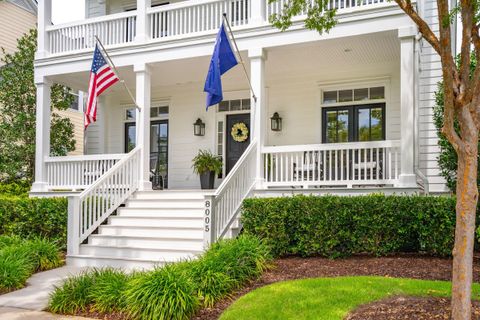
(328, 298)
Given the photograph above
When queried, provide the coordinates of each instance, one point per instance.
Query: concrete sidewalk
(22, 314)
(35, 295)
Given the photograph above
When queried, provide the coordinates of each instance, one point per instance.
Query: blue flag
(223, 59)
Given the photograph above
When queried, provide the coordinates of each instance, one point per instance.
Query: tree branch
(423, 27)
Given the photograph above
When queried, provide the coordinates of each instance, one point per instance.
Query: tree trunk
(467, 197)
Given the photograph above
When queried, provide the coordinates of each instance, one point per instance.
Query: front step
(146, 242)
(172, 233)
(154, 227)
(177, 222)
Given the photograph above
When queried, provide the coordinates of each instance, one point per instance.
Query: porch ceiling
(322, 59)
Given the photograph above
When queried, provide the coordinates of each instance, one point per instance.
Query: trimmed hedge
(34, 217)
(15, 188)
(336, 226)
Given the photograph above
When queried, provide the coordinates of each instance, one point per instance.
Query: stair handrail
(88, 210)
(223, 206)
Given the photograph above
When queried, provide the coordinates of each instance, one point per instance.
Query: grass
(19, 259)
(328, 298)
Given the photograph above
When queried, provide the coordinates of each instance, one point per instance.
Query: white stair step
(138, 253)
(119, 263)
(146, 242)
(165, 203)
(140, 221)
(169, 194)
(135, 231)
(162, 212)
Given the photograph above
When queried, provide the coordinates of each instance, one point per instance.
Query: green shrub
(334, 226)
(15, 269)
(74, 294)
(34, 217)
(241, 259)
(7, 241)
(44, 254)
(18, 188)
(165, 293)
(108, 291)
(210, 284)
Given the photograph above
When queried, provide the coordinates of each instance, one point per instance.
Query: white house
(355, 105)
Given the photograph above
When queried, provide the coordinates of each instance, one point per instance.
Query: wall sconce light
(199, 128)
(276, 122)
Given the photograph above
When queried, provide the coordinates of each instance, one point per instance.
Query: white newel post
(73, 225)
(42, 131)
(142, 72)
(407, 106)
(44, 20)
(258, 12)
(258, 115)
(142, 27)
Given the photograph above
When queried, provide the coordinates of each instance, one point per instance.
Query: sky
(67, 10)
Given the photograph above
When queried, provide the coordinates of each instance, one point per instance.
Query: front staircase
(153, 227)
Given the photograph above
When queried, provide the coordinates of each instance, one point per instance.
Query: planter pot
(207, 180)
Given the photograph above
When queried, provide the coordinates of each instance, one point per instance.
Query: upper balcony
(171, 22)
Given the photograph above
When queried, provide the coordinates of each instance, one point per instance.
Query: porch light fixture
(199, 128)
(276, 122)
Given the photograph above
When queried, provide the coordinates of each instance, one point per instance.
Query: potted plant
(207, 165)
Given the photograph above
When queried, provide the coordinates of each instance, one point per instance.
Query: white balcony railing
(78, 172)
(115, 29)
(177, 20)
(190, 17)
(341, 5)
(339, 164)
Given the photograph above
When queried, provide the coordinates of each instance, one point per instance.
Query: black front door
(235, 149)
(158, 150)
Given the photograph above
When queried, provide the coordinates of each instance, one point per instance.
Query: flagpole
(110, 62)
(240, 56)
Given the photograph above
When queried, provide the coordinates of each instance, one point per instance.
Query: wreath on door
(239, 132)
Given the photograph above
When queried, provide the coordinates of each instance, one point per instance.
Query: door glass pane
(342, 126)
(331, 126)
(235, 105)
(130, 137)
(364, 124)
(159, 154)
(376, 120)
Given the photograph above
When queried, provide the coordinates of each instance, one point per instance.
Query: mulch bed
(406, 308)
(412, 266)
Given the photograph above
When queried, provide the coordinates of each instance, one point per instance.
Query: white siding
(95, 8)
(430, 75)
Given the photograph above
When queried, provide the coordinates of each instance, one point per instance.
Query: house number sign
(207, 215)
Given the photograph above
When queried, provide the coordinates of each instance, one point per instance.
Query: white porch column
(142, 72)
(407, 106)
(258, 123)
(42, 137)
(142, 20)
(258, 12)
(44, 20)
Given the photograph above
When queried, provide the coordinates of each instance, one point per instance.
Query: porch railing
(196, 16)
(90, 209)
(341, 5)
(222, 208)
(112, 29)
(78, 172)
(339, 164)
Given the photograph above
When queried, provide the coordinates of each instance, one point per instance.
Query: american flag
(101, 77)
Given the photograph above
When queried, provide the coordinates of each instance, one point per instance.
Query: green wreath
(239, 132)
